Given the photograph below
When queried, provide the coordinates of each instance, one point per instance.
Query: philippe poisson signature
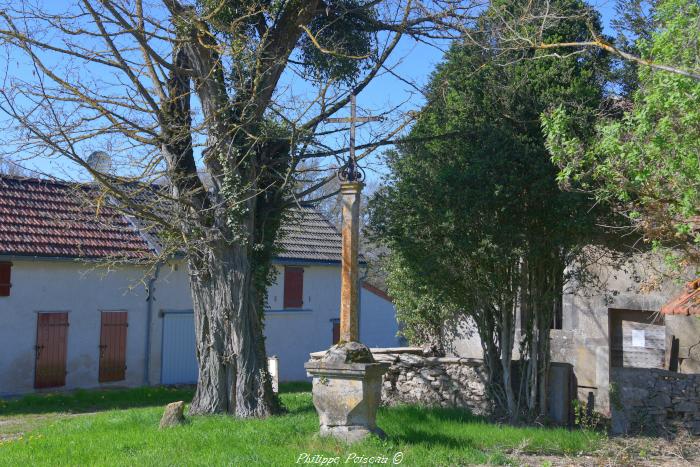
(350, 458)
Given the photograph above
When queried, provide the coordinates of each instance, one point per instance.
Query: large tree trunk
(233, 375)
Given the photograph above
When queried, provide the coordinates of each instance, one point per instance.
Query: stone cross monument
(351, 177)
(347, 382)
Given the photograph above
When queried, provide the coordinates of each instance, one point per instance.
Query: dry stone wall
(432, 381)
(654, 401)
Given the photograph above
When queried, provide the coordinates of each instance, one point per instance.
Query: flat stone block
(686, 406)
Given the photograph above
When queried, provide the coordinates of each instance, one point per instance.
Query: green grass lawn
(120, 427)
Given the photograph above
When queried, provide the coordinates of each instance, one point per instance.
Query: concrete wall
(84, 291)
(686, 330)
(463, 341)
(584, 340)
(378, 326)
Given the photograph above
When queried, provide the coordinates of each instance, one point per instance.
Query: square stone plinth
(346, 397)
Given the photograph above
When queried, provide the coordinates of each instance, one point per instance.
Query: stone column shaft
(350, 285)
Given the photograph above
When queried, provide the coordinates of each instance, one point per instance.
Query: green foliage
(420, 309)
(646, 163)
(585, 417)
(344, 40)
(476, 222)
(615, 396)
(130, 436)
(84, 401)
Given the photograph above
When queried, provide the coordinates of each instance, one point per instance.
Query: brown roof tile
(50, 218)
(59, 219)
(687, 303)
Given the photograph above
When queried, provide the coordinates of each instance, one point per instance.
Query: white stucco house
(67, 322)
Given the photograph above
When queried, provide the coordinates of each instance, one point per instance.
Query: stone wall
(654, 401)
(454, 382)
(432, 381)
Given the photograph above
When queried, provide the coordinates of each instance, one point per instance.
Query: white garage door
(179, 361)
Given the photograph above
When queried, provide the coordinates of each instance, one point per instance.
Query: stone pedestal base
(346, 397)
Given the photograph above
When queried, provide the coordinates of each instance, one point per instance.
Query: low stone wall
(654, 401)
(414, 378)
(432, 381)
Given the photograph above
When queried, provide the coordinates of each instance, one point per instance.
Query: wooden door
(113, 346)
(336, 331)
(51, 342)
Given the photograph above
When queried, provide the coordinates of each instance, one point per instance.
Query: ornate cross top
(350, 172)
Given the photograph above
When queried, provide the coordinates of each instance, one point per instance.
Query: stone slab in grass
(173, 415)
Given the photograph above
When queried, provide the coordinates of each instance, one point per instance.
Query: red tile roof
(377, 291)
(57, 219)
(687, 303)
(50, 218)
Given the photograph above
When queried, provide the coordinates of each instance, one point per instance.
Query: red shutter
(293, 287)
(51, 339)
(5, 275)
(113, 346)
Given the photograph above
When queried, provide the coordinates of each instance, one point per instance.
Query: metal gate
(179, 362)
(51, 342)
(113, 346)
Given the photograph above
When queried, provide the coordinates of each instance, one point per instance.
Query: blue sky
(420, 60)
(413, 61)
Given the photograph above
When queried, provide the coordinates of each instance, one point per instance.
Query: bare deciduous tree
(198, 94)
(525, 26)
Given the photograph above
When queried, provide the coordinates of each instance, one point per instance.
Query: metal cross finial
(351, 172)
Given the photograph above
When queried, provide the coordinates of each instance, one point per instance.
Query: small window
(293, 287)
(5, 283)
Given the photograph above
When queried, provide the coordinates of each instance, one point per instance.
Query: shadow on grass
(418, 413)
(295, 386)
(301, 409)
(97, 400)
(412, 436)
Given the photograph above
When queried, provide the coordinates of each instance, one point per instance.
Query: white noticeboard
(638, 338)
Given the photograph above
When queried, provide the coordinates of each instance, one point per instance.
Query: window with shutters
(5, 276)
(293, 287)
